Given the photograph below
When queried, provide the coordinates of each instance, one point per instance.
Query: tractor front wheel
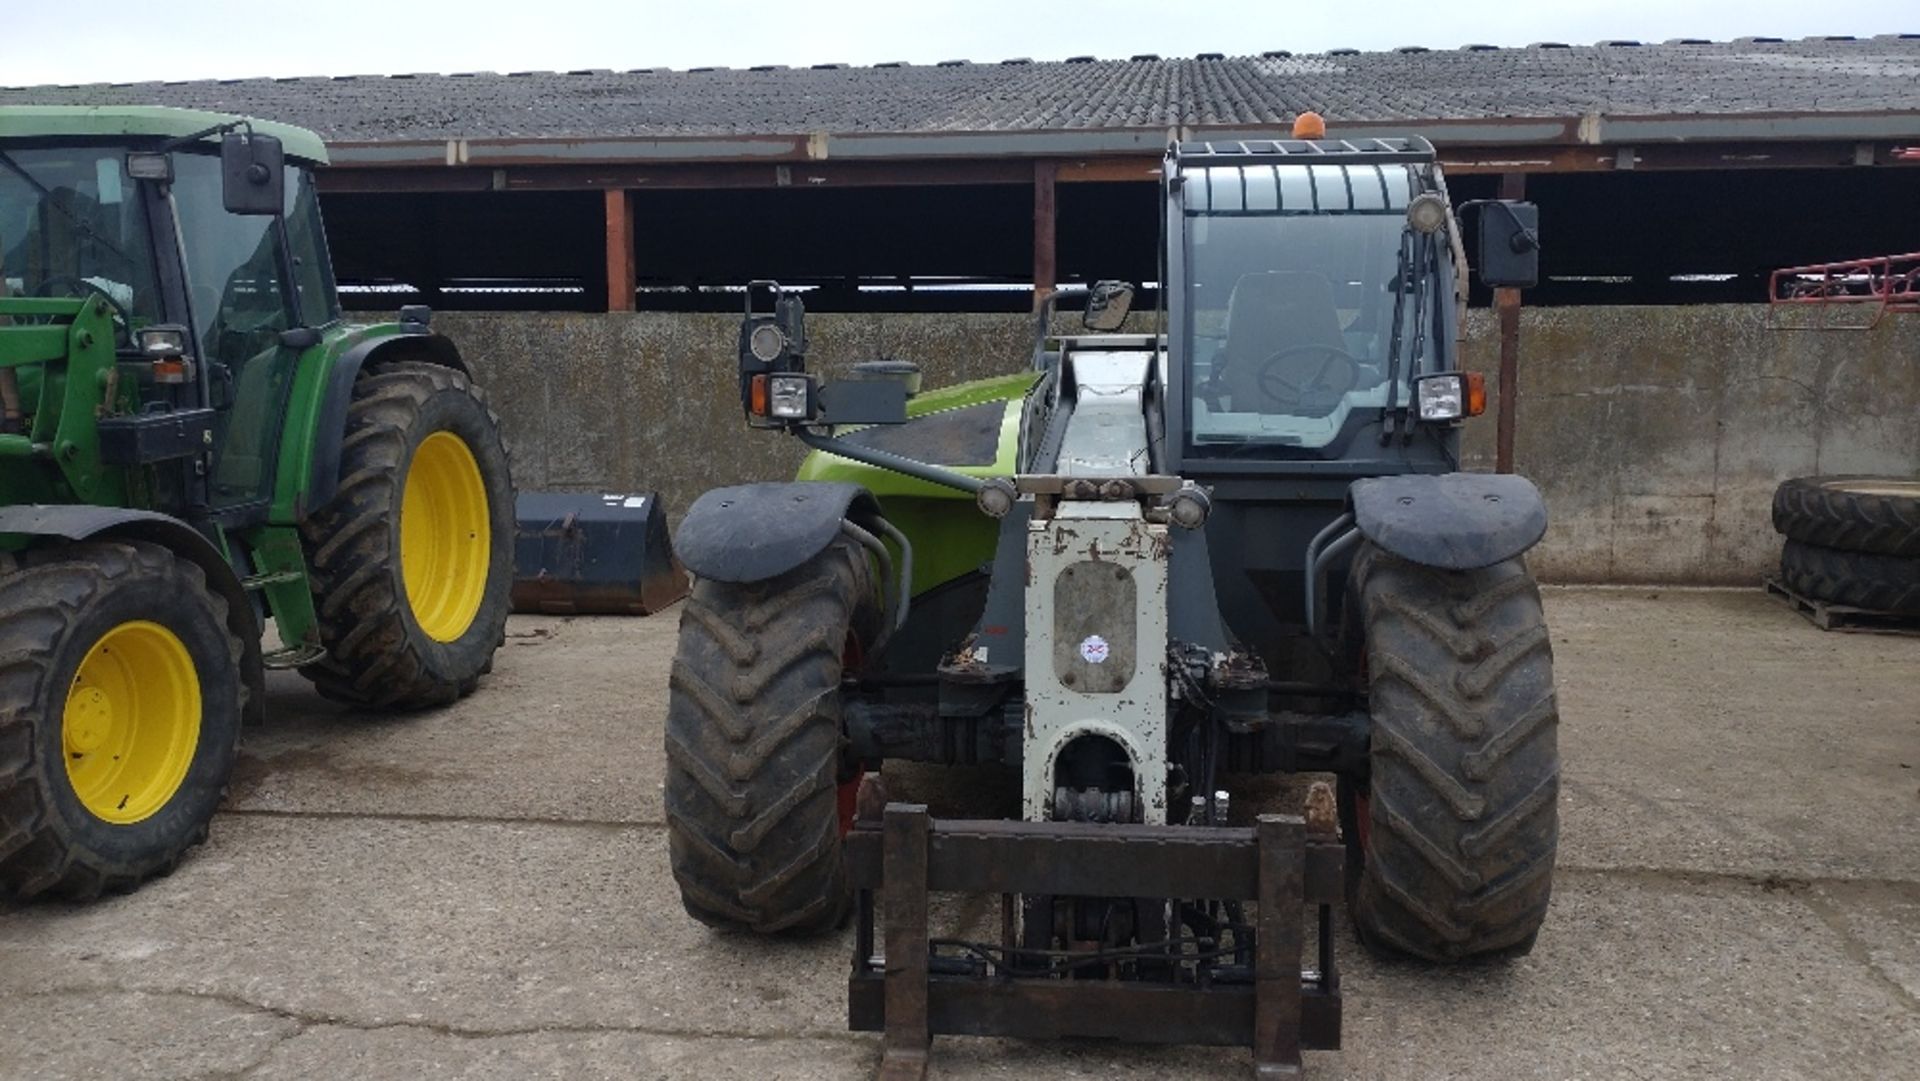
(412, 561)
(754, 747)
(1453, 834)
(120, 704)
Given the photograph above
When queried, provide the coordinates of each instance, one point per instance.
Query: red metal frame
(1881, 284)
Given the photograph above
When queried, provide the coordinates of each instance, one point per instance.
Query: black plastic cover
(1454, 521)
(144, 438)
(753, 532)
(864, 401)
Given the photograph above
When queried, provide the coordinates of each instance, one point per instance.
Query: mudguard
(78, 522)
(331, 428)
(753, 532)
(1454, 521)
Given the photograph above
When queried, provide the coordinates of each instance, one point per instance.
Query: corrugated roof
(1618, 79)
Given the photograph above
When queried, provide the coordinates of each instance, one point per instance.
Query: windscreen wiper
(1403, 272)
(1416, 256)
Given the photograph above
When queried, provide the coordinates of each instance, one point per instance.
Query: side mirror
(1509, 244)
(1108, 303)
(253, 173)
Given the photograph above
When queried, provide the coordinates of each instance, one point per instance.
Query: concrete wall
(1657, 434)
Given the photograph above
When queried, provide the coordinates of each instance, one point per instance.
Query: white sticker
(1093, 649)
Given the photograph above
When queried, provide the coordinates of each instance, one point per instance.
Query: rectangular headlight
(788, 397)
(1441, 397)
(150, 166)
(165, 340)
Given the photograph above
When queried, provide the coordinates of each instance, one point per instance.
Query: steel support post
(1506, 304)
(621, 280)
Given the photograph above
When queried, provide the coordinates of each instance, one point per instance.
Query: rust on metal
(1506, 303)
(1044, 231)
(621, 282)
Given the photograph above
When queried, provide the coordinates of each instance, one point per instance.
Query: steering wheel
(82, 287)
(1318, 385)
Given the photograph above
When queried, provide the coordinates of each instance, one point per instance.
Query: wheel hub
(89, 719)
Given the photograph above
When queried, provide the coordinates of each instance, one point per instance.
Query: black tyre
(1455, 831)
(755, 751)
(1879, 583)
(412, 561)
(120, 704)
(1880, 515)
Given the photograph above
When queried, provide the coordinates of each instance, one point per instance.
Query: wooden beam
(1045, 266)
(620, 254)
(1506, 303)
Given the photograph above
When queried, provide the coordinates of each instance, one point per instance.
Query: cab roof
(110, 121)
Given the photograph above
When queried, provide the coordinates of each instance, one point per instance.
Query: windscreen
(72, 223)
(1294, 291)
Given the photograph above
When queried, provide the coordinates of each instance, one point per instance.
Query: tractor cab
(1315, 312)
(206, 252)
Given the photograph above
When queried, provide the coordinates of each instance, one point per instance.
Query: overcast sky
(42, 41)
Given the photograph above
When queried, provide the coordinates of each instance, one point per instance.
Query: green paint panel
(950, 536)
(280, 566)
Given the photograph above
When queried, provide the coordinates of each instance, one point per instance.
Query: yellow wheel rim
(132, 722)
(446, 539)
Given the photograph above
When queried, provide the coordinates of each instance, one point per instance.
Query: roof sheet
(1803, 77)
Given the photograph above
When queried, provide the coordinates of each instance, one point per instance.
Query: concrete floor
(483, 892)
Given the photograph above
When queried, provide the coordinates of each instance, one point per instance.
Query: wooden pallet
(1842, 617)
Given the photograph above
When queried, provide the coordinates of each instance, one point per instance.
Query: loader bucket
(912, 986)
(589, 554)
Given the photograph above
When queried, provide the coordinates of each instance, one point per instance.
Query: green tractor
(192, 440)
(1238, 542)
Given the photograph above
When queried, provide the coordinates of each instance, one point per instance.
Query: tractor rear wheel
(412, 561)
(120, 704)
(1456, 828)
(755, 752)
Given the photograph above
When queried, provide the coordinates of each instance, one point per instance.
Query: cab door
(250, 280)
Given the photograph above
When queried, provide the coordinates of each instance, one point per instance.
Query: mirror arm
(172, 145)
(932, 474)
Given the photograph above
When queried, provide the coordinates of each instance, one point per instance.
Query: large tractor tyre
(1879, 583)
(755, 750)
(120, 704)
(1455, 830)
(1880, 515)
(412, 561)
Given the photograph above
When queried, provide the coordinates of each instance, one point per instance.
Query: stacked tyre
(1852, 540)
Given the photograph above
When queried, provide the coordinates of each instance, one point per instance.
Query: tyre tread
(754, 746)
(1465, 764)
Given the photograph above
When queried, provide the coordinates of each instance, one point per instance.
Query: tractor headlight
(766, 343)
(1450, 396)
(167, 340)
(789, 397)
(1441, 398)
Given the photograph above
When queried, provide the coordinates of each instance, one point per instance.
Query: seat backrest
(1270, 312)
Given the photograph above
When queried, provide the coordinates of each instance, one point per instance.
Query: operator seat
(1272, 311)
